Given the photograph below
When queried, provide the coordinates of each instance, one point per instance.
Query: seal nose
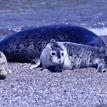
(2, 77)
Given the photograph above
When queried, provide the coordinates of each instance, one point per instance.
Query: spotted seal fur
(3, 66)
(26, 45)
(58, 56)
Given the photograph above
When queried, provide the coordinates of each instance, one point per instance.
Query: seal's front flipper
(37, 65)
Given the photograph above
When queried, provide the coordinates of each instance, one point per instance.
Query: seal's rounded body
(58, 56)
(27, 45)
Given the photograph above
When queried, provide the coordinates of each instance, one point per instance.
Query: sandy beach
(36, 88)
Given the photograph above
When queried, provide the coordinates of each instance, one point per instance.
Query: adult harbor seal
(58, 56)
(3, 66)
(28, 44)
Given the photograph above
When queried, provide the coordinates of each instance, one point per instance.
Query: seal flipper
(37, 64)
(101, 66)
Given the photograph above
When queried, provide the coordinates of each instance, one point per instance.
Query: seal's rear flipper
(101, 66)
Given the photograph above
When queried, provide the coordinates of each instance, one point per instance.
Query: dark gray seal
(28, 44)
(58, 56)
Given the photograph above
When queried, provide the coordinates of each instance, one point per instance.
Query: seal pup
(26, 45)
(3, 66)
(58, 56)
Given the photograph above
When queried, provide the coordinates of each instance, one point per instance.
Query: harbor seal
(58, 56)
(3, 66)
(26, 45)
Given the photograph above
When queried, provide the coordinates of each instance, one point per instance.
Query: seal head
(52, 56)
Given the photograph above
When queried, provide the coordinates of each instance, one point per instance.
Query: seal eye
(53, 53)
(62, 53)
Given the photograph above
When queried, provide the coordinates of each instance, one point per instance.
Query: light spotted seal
(58, 56)
(3, 66)
(28, 44)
